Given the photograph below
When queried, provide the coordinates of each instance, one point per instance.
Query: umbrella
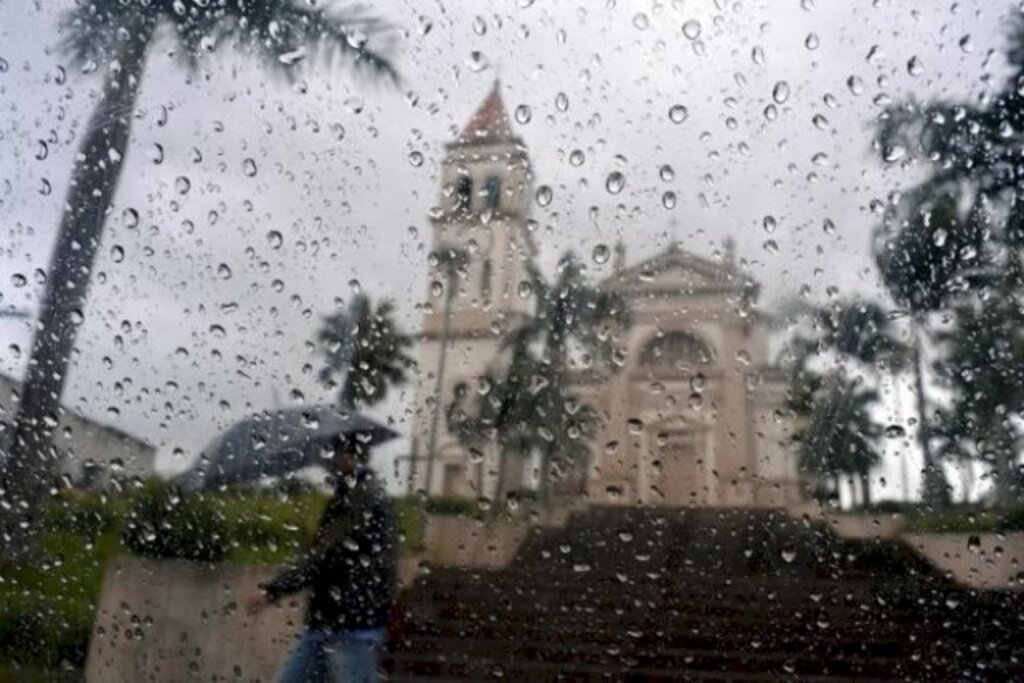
(275, 443)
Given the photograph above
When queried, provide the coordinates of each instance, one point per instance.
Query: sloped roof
(679, 269)
(490, 122)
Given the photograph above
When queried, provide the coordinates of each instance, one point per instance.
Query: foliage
(970, 266)
(165, 523)
(456, 506)
(282, 34)
(841, 434)
(527, 404)
(366, 347)
(47, 608)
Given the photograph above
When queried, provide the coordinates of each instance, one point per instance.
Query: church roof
(676, 269)
(490, 123)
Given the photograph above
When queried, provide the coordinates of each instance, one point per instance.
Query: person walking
(350, 571)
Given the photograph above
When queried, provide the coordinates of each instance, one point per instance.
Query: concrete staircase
(705, 595)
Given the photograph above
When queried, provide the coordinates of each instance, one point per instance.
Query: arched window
(676, 350)
(492, 192)
(464, 193)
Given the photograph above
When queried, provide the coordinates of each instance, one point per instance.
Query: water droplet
(788, 555)
(275, 239)
(895, 431)
(691, 29)
(678, 113)
(576, 157)
(894, 153)
(525, 289)
(757, 55)
(436, 289)
(940, 236)
(130, 218)
(601, 254)
(117, 253)
(523, 114)
(615, 182)
(249, 167)
(562, 102)
(820, 122)
(19, 280)
(156, 153)
(966, 44)
(771, 246)
(224, 271)
(855, 85)
(666, 173)
(914, 66)
(668, 200)
(641, 22)
(769, 224)
(780, 93)
(811, 42)
(415, 159)
(544, 195)
(828, 226)
(42, 150)
(182, 184)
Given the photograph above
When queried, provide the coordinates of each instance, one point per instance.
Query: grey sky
(354, 208)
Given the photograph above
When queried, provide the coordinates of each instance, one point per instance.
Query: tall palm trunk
(446, 331)
(499, 485)
(934, 491)
(32, 462)
(865, 488)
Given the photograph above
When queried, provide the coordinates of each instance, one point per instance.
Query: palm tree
(451, 261)
(121, 34)
(531, 406)
(859, 331)
(841, 435)
(985, 367)
(925, 265)
(365, 346)
(504, 414)
(571, 312)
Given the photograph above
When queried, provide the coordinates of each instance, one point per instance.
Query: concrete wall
(168, 621)
(993, 562)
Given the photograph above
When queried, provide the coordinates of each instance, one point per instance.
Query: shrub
(165, 523)
(453, 505)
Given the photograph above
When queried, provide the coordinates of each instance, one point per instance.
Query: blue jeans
(325, 657)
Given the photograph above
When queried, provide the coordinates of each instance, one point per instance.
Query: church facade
(693, 417)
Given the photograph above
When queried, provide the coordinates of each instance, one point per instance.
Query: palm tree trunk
(865, 489)
(934, 491)
(499, 484)
(32, 462)
(442, 359)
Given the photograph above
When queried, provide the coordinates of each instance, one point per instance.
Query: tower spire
(490, 122)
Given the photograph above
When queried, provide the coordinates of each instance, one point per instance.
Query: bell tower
(477, 286)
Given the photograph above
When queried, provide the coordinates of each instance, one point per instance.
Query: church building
(695, 416)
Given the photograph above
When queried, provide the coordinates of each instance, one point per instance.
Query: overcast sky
(174, 348)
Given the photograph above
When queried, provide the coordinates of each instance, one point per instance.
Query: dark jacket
(351, 566)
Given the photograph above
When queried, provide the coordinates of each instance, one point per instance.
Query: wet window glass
(511, 339)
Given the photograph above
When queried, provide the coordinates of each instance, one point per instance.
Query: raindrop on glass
(678, 113)
(780, 93)
(615, 182)
(544, 195)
